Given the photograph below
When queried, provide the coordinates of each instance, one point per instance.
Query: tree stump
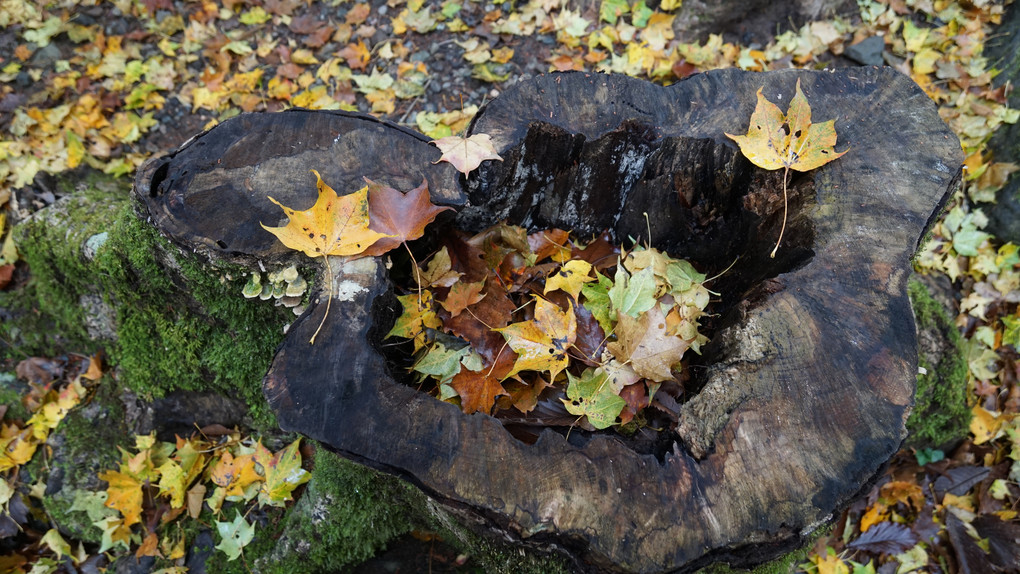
(809, 375)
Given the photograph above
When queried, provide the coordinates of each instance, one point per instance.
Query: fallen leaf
(398, 217)
(466, 154)
(234, 536)
(570, 277)
(633, 294)
(591, 395)
(800, 145)
(644, 345)
(541, 343)
(124, 494)
(333, 226)
(419, 315)
(282, 471)
(462, 295)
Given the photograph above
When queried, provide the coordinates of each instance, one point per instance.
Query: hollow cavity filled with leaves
(544, 329)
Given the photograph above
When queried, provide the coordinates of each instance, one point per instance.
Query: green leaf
(1011, 331)
(928, 455)
(596, 300)
(999, 489)
(591, 395)
(234, 536)
(633, 294)
(55, 542)
(255, 16)
(442, 362)
(92, 504)
(611, 10)
(967, 241)
(282, 471)
(640, 13)
(682, 276)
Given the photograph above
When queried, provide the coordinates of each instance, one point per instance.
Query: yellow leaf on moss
(283, 473)
(124, 495)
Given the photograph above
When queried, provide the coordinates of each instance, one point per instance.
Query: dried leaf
(886, 538)
(462, 295)
(466, 154)
(399, 217)
(541, 344)
(644, 345)
(333, 226)
(800, 146)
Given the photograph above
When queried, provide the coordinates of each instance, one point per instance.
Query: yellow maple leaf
(777, 141)
(17, 446)
(571, 277)
(333, 226)
(124, 495)
(541, 343)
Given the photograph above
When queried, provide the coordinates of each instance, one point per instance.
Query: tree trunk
(809, 376)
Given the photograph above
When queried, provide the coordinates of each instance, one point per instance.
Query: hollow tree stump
(810, 372)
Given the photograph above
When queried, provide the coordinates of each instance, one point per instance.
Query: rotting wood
(808, 379)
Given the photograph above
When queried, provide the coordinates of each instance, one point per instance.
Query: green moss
(50, 242)
(173, 322)
(940, 414)
(11, 391)
(346, 515)
(84, 445)
(786, 564)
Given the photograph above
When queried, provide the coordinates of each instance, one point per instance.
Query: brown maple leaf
(400, 217)
(461, 296)
(478, 390)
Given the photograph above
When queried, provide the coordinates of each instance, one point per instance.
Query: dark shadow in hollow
(692, 198)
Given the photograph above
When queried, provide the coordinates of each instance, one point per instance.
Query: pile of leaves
(548, 329)
(156, 488)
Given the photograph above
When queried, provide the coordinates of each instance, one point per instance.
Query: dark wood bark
(809, 376)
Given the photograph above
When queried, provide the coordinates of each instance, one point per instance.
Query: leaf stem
(786, 173)
(329, 273)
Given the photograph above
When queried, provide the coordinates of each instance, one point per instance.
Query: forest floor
(103, 86)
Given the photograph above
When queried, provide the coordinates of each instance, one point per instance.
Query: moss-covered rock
(940, 416)
(83, 445)
(100, 276)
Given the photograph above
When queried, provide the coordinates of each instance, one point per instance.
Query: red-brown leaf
(402, 215)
